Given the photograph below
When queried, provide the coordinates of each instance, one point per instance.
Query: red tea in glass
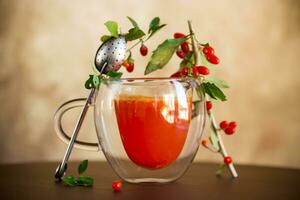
(153, 129)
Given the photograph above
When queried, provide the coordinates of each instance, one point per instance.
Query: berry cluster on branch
(198, 60)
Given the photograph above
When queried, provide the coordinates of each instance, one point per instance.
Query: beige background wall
(47, 47)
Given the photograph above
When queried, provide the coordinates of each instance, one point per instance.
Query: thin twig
(195, 50)
(140, 41)
(134, 45)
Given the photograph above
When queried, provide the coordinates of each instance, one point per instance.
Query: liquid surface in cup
(153, 130)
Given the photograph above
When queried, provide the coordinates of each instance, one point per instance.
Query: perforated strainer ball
(111, 55)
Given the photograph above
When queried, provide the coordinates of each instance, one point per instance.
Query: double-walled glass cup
(148, 128)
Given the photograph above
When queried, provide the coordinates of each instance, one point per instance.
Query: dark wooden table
(36, 181)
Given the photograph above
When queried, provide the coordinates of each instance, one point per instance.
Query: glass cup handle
(74, 103)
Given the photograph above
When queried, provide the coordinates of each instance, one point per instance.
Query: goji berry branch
(222, 148)
(213, 123)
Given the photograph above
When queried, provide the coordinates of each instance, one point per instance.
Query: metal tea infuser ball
(109, 57)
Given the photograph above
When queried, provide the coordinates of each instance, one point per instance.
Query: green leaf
(85, 181)
(96, 81)
(155, 30)
(218, 82)
(214, 141)
(81, 181)
(105, 38)
(112, 28)
(153, 24)
(114, 74)
(89, 83)
(213, 91)
(208, 91)
(133, 34)
(82, 166)
(164, 52)
(69, 180)
(133, 22)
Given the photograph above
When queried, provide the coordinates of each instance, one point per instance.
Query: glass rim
(138, 79)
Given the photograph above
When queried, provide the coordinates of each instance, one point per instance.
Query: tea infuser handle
(74, 103)
(62, 167)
